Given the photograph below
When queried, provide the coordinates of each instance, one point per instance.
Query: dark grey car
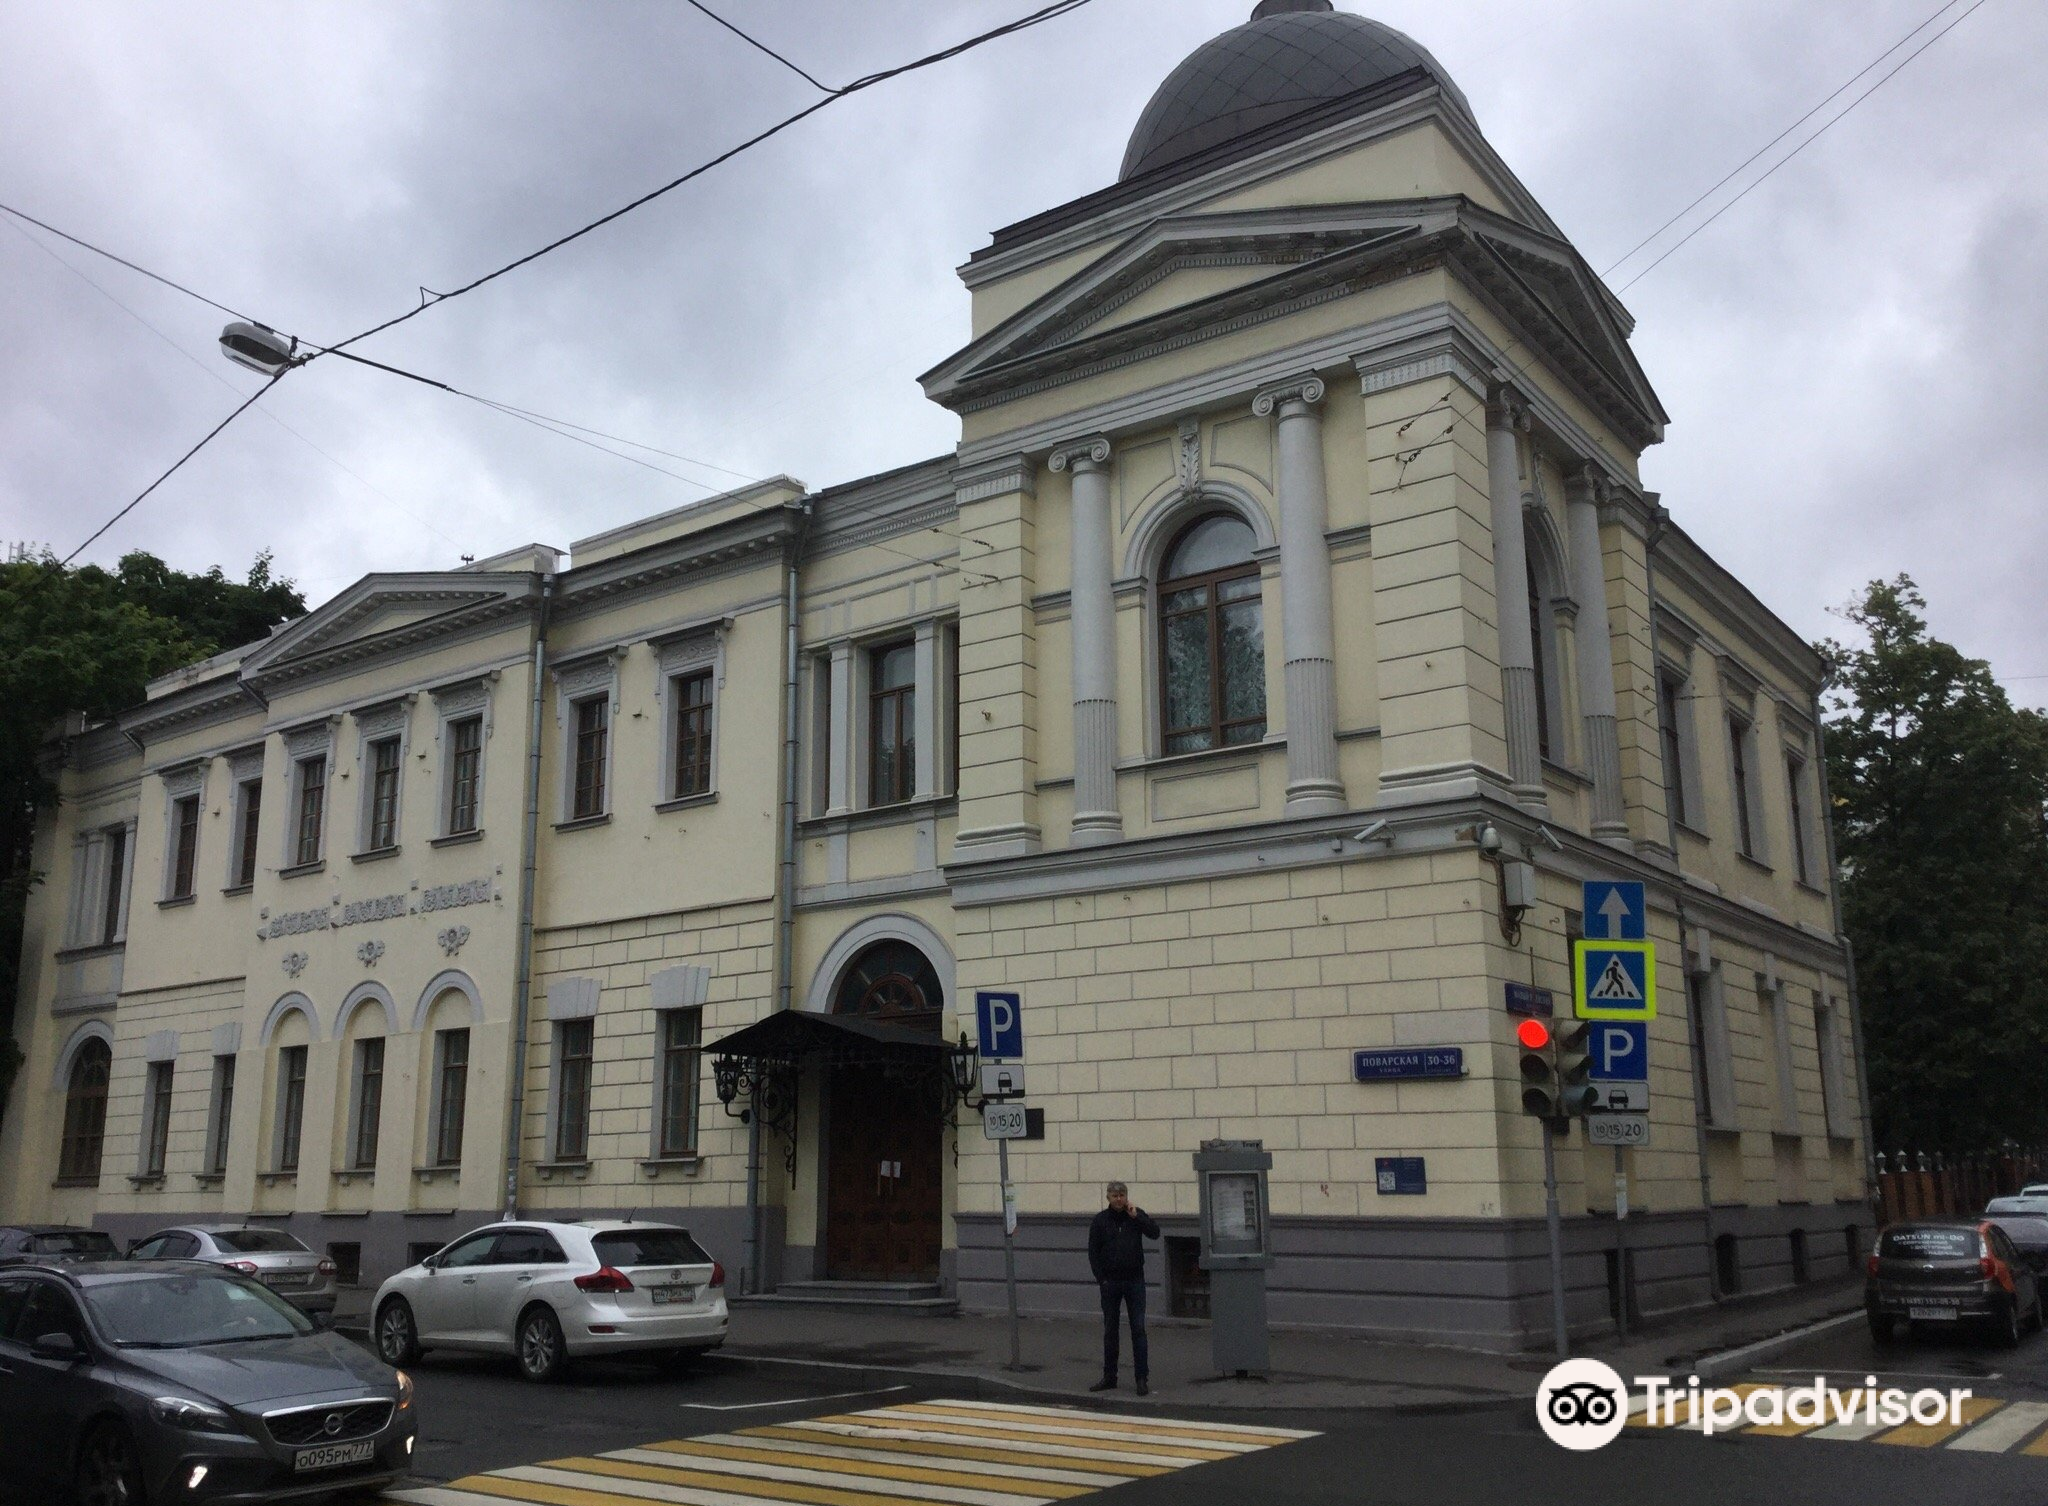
(21, 1244)
(1947, 1272)
(162, 1381)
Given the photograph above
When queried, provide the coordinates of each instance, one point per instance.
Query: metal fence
(1935, 1185)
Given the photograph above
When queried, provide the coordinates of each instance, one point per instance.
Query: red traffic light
(1533, 1034)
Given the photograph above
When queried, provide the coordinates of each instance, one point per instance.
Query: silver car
(303, 1277)
(547, 1293)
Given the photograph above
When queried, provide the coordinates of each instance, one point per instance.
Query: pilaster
(998, 502)
(1595, 654)
(1093, 629)
(1507, 421)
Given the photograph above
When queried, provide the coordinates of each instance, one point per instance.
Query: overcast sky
(1853, 357)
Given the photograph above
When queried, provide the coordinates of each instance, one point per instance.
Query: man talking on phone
(1116, 1253)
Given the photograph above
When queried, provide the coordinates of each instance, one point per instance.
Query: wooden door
(883, 1181)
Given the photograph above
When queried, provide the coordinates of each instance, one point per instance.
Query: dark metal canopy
(762, 1063)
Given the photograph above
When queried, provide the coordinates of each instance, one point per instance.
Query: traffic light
(1540, 1090)
(1572, 1045)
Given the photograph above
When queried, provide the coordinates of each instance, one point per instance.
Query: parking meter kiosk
(1237, 1247)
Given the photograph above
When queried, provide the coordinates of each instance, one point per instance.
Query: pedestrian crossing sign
(1614, 980)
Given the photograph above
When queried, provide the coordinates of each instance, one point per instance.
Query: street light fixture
(258, 347)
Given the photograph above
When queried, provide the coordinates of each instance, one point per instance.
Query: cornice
(1680, 559)
(184, 711)
(736, 544)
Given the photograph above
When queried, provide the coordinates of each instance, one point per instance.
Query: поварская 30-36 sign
(1408, 1062)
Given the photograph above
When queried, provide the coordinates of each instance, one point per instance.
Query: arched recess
(359, 996)
(91, 1030)
(857, 938)
(460, 982)
(289, 1003)
(1159, 527)
(1549, 592)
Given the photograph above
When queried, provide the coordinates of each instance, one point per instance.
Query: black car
(1948, 1272)
(177, 1381)
(52, 1243)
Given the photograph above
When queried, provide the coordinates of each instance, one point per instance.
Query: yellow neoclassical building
(1287, 639)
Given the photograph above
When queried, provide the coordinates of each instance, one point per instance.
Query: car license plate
(1932, 1310)
(285, 1278)
(335, 1455)
(668, 1296)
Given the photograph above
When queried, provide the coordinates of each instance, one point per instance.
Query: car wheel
(398, 1338)
(676, 1362)
(1882, 1329)
(108, 1472)
(543, 1353)
(2034, 1324)
(2008, 1326)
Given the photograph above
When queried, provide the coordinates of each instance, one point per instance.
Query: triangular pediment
(1182, 278)
(386, 613)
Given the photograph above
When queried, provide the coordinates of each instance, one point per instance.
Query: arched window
(1212, 639)
(893, 983)
(85, 1113)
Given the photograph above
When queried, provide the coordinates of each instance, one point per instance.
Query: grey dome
(1293, 56)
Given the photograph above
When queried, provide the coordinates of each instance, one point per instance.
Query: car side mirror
(56, 1346)
(431, 1264)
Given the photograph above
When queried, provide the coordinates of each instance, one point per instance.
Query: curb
(1714, 1366)
(980, 1386)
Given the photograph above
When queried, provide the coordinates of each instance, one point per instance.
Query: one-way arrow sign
(1613, 910)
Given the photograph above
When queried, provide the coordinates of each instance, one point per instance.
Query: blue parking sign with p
(1619, 1051)
(999, 1024)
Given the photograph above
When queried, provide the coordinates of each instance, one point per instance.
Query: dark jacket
(1116, 1244)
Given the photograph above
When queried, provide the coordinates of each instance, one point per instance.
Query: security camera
(1549, 838)
(1377, 832)
(1489, 840)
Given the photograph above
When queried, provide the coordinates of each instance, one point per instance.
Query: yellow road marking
(926, 1424)
(932, 1448)
(828, 1446)
(1277, 1435)
(1926, 1435)
(875, 1469)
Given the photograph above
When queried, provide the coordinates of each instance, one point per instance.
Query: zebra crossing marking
(1989, 1425)
(947, 1453)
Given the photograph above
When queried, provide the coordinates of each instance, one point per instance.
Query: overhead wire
(131, 266)
(760, 46)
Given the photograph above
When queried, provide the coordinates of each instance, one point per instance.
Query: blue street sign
(1401, 1175)
(1408, 1062)
(1614, 911)
(1614, 980)
(999, 1024)
(1620, 1051)
(1523, 999)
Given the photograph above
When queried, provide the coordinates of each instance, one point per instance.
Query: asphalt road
(477, 1416)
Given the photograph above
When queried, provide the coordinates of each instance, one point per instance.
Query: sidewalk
(1311, 1370)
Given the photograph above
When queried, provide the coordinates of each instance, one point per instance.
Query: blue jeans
(1130, 1291)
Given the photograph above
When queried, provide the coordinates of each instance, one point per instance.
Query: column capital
(1506, 408)
(1307, 391)
(1082, 454)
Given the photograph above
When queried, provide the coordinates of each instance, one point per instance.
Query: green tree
(85, 643)
(1940, 789)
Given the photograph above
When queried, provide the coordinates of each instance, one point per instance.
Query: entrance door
(883, 1181)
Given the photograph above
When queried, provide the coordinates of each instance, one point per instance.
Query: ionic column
(1504, 417)
(1595, 652)
(1308, 641)
(1093, 628)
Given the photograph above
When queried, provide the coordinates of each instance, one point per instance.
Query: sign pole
(1550, 1217)
(1010, 1248)
(1620, 1247)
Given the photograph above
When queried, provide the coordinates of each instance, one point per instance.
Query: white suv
(547, 1293)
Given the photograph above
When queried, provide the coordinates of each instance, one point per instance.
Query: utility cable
(1809, 141)
(761, 46)
(122, 260)
(1035, 18)
(1946, 5)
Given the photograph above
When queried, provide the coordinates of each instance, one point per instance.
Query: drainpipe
(1827, 805)
(1696, 1028)
(529, 861)
(785, 885)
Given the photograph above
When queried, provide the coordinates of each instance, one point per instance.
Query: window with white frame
(1674, 726)
(156, 1118)
(465, 775)
(680, 1034)
(366, 1103)
(383, 769)
(573, 1047)
(691, 667)
(291, 1106)
(220, 1113)
(585, 705)
(1713, 1059)
(892, 723)
(882, 720)
(101, 914)
(184, 831)
(1742, 778)
(309, 810)
(248, 822)
(1834, 1076)
(451, 1094)
(85, 1114)
(1212, 638)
